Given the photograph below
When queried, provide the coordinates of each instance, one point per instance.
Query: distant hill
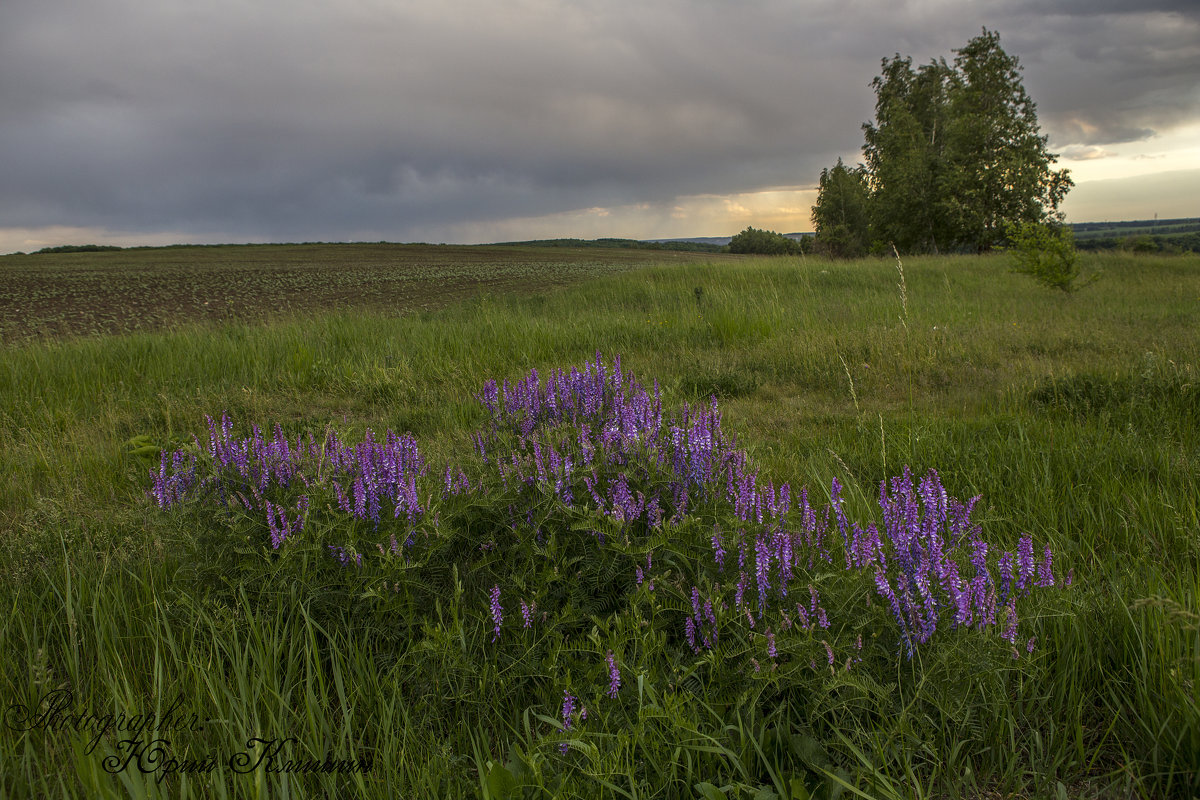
(697, 244)
(719, 241)
(689, 245)
(1145, 235)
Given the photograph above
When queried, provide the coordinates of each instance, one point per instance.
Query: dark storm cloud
(304, 120)
(1106, 79)
(1091, 8)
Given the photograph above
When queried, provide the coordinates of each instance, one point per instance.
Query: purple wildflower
(527, 613)
(568, 716)
(614, 676)
(1045, 572)
(1006, 576)
(1024, 563)
(1010, 631)
(770, 644)
(497, 612)
(804, 621)
(762, 571)
(718, 551)
(344, 557)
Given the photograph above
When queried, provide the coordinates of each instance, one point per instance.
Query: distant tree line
(78, 248)
(1140, 236)
(952, 161)
(1171, 243)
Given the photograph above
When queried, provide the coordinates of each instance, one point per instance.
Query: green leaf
(500, 782)
(796, 787)
(707, 791)
(809, 750)
(516, 763)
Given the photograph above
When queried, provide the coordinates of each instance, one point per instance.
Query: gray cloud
(1109, 78)
(1093, 8)
(309, 120)
(1085, 153)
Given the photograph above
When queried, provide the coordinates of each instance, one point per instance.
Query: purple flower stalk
(804, 621)
(1045, 572)
(345, 558)
(762, 571)
(568, 716)
(614, 676)
(1010, 630)
(1024, 563)
(718, 551)
(527, 614)
(497, 612)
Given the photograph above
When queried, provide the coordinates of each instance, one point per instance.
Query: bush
(1047, 252)
(764, 243)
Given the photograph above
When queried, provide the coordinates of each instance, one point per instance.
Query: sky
(137, 122)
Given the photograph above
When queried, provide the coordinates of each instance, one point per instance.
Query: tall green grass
(1077, 418)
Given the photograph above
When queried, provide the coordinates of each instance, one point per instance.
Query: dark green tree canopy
(955, 156)
(763, 243)
(841, 215)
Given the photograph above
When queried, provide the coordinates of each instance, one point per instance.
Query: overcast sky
(161, 121)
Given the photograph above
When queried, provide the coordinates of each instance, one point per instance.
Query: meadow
(499, 538)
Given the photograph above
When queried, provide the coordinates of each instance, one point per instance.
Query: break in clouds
(390, 119)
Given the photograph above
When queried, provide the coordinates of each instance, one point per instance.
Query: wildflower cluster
(368, 478)
(587, 465)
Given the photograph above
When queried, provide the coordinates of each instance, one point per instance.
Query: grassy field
(1077, 419)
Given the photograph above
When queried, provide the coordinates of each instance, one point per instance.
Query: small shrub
(1046, 252)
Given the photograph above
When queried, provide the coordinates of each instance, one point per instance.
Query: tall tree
(841, 216)
(954, 156)
(905, 154)
(998, 167)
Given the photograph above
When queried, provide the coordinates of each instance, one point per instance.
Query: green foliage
(998, 165)
(764, 243)
(955, 155)
(841, 215)
(1047, 253)
(905, 156)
